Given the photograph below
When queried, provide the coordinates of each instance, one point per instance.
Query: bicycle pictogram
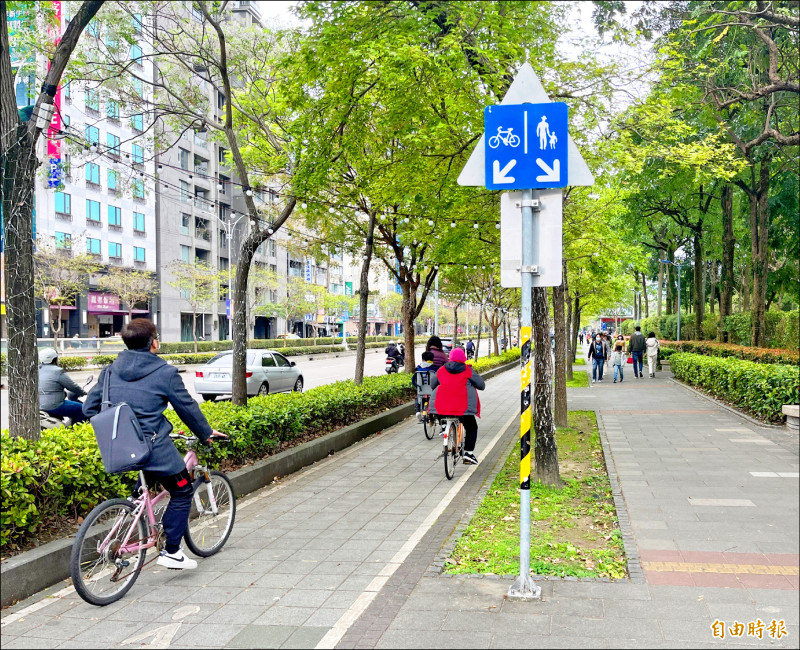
(505, 136)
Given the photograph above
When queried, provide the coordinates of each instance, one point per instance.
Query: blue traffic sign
(526, 146)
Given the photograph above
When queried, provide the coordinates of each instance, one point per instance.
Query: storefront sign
(103, 302)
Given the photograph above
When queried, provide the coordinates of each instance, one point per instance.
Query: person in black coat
(148, 384)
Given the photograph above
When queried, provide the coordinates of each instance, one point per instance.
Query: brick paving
(345, 553)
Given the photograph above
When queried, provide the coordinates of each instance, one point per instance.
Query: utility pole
(436, 305)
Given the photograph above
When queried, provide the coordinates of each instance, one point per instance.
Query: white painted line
(764, 474)
(525, 113)
(731, 503)
(30, 609)
(789, 474)
(753, 441)
(337, 632)
(740, 429)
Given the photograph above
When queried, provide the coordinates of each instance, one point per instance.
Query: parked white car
(267, 372)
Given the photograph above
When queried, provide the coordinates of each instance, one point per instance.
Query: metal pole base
(524, 588)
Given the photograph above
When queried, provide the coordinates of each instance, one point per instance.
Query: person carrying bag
(126, 408)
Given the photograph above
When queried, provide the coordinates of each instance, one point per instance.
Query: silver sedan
(267, 372)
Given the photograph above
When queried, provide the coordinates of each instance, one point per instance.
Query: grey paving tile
(639, 628)
(325, 617)
(305, 637)
(278, 615)
(208, 635)
(305, 598)
(261, 636)
(510, 639)
(211, 594)
(411, 639)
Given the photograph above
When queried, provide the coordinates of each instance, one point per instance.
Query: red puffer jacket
(455, 389)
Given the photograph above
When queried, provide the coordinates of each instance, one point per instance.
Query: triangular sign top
(525, 89)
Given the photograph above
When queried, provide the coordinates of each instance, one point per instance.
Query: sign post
(526, 146)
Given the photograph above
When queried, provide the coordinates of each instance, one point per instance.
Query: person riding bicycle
(148, 384)
(425, 366)
(436, 346)
(53, 382)
(455, 393)
(470, 349)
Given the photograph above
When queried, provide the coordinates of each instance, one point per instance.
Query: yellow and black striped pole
(524, 587)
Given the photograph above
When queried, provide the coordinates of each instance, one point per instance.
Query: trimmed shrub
(103, 359)
(759, 388)
(277, 344)
(715, 349)
(72, 363)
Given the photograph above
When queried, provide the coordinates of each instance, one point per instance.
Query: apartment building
(97, 194)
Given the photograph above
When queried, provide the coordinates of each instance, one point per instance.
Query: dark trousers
(470, 423)
(638, 362)
(597, 367)
(71, 410)
(176, 516)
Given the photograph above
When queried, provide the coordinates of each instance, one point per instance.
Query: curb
(730, 409)
(31, 571)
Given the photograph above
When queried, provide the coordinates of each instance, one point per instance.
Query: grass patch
(580, 379)
(580, 361)
(574, 529)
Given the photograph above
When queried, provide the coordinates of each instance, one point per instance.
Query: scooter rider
(53, 382)
(393, 352)
(470, 349)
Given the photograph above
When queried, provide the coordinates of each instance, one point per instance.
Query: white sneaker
(594, 380)
(176, 560)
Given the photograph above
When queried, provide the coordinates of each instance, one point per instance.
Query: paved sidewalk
(338, 553)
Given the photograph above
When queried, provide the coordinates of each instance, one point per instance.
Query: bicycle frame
(145, 505)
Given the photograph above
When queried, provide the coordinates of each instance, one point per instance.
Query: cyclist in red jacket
(455, 392)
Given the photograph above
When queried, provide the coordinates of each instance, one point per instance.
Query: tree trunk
(363, 300)
(546, 452)
(18, 164)
(55, 327)
(559, 328)
(712, 278)
(407, 312)
(194, 329)
(746, 281)
(576, 323)
(480, 330)
(759, 228)
(660, 282)
(699, 272)
(455, 327)
(728, 244)
(571, 341)
(644, 298)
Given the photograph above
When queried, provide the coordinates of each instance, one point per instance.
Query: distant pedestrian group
(602, 350)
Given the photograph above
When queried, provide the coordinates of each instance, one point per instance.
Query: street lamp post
(680, 268)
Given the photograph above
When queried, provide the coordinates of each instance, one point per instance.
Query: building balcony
(63, 216)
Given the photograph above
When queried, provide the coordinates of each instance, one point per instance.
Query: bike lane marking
(337, 632)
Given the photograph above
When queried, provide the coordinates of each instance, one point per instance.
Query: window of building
(273, 268)
(112, 109)
(185, 221)
(92, 172)
(138, 189)
(92, 100)
(136, 54)
(223, 239)
(200, 138)
(137, 87)
(186, 253)
(273, 248)
(137, 122)
(92, 135)
(63, 240)
(112, 178)
(93, 246)
(225, 182)
(114, 216)
(65, 119)
(112, 142)
(65, 90)
(138, 222)
(200, 166)
(136, 21)
(93, 29)
(223, 263)
(183, 155)
(137, 154)
(138, 254)
(63, 203)
(114, 250)
(221, 155)
(295, 268)
(220, 100)
(186, 195)
(92, 210)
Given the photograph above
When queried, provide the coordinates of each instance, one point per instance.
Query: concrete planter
(792, 413)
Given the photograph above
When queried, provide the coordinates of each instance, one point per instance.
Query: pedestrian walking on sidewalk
(619, 358)
(636, 347)
(598, 355)
(653, 346)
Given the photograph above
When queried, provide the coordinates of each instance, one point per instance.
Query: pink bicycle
(109, 550)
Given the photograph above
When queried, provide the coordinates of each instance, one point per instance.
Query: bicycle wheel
(494, 142)
(208, 530)
(450, 451)
(101, 572)
(429, 426)
(513, 140)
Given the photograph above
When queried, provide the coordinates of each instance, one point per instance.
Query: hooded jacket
(148, 384)
(455, 390)
(636, 343)
(53, 381)
(652, 346)
(439, 357)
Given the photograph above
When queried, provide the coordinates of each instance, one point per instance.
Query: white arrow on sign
(499, 175)
(550, 175)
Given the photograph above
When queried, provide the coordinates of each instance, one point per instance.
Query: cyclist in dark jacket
(53, 381)
(148, 384)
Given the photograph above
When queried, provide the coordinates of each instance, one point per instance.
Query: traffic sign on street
(526, 146)
(345, 316)
(526, 88)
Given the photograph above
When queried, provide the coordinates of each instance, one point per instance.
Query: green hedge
(783, 328)
(759, 388)
(217, 346)
(715, 349)
(61, 474)
(205, 357)
(72, 363)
